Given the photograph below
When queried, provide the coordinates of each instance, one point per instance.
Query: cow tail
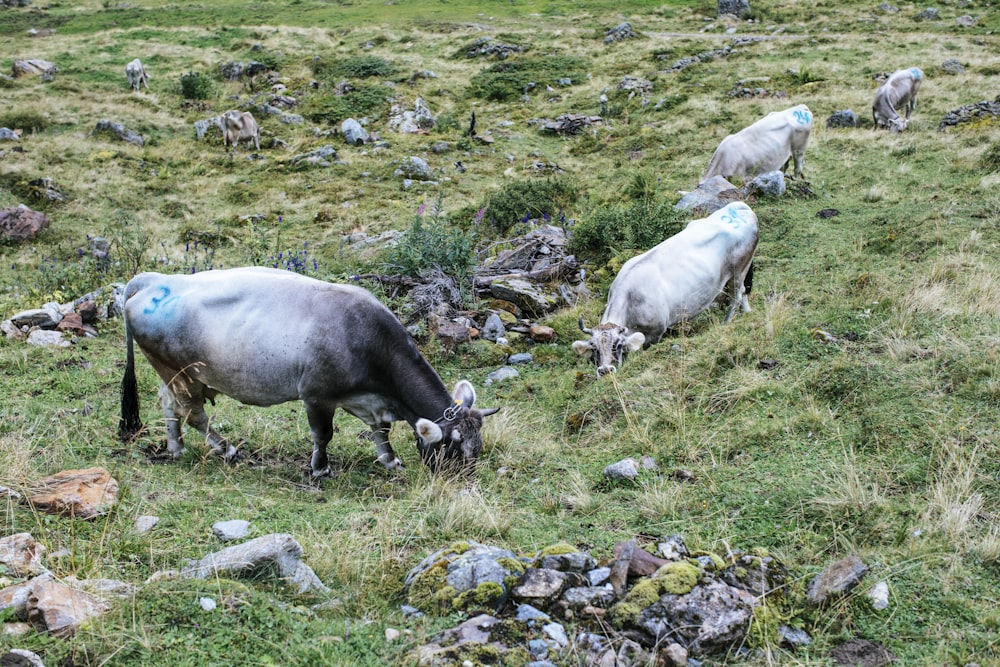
(748, 280)
(130, 423)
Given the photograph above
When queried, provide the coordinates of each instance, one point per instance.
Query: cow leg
(386, 456)
(197, 418)
(175, 439)
(321, 426)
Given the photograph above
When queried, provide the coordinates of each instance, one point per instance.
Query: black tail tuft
(130, 424)
(748, 280)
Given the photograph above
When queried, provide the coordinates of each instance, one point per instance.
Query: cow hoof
(325, 472)
(391, 462)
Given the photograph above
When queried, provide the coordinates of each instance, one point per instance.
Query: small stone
(144, 524)
(520, 358)
(228, 531)
(391, 635)
(624, 469)
(208, 604)
(542, 334)
(20, 657)
(676, 655)
(501, 374)
(879, 595)
(598, 576)
(556, 633)
(528, 614)
(837, 579)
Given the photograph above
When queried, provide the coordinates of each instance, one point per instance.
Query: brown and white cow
(136, 75)
(238, 125)
(266, 336)
(898, 92)
(673, 282)
(768, 145)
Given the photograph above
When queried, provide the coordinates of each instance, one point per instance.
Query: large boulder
(20, 223)
(60, 610)
(83, 494)
(708, 197)
(353, 132)
(117, 131)
(411, 121)
(33, 67)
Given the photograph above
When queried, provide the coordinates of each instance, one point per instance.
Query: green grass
(880, 441)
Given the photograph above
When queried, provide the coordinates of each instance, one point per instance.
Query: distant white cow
(238, 125)
(898, 91)
(673, 282)
(767, 145)
(136, 75)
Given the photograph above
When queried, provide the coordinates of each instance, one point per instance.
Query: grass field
(879, 439)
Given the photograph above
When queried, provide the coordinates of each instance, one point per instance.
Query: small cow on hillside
(136, 75)
(238, 125)
(899, 91)
(672, 283)
(767, 145)
(266, 336)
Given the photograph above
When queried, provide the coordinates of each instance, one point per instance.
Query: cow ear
(428, 431)
(464, 394)
(582, 347)
(635, 341)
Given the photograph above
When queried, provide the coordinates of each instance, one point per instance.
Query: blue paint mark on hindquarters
(917, 74)
(802, 117)
(163, 304)
(732, 217)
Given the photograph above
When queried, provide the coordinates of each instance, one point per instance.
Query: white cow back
(682, 276)
(765, 146)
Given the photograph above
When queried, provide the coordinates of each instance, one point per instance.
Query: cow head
(897, 124)
(608, 346)
(454, 437)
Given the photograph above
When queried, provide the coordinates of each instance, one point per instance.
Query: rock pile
(50, 324)
(969, 113)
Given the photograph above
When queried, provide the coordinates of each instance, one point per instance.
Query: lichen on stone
(556, 549)
(485, 595)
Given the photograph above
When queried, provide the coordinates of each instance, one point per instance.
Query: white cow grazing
(238, 125)
(673, 282)
(136, 75)
(767, 145)
(899, 91)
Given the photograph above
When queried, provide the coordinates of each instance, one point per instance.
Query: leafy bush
(24, 119)
(430, 244)
(636, 225)
(509, 79)
(196, 86)
(521, 201)
(363, 100)
(358, 67)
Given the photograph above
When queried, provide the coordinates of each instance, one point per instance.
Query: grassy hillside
(870, 429)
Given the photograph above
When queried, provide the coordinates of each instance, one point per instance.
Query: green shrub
(521, 201)
(24, 119)
(430, 244)
(358, 67)
(991, 158)
(509, 79)
(363, 100)
(636, 225)
(196, 86)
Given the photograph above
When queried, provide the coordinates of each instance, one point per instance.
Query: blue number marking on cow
(732, 218)
(917, 74)
(164, 301)
(802, 116)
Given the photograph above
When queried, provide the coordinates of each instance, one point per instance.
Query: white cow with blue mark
(672, 283)
(898, 92)
(768, 145)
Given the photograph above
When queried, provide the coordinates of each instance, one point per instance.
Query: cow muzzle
(604, 370)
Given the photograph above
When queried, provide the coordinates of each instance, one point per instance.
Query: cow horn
(583, 328)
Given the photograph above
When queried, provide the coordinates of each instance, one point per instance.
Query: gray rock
(415, 168)
(353, 133)
(44, 338)
(207, 604)
(735, 7)
(520, 358)
(575, 561)
(440, 147)
(583, 596)
(501, 374)
(20, 223)
(966, 21)
(528, 614)
(530, 298)
(44, 318)
(556, 633)
(879, 596)
(953, 66)
(231, 71)
(837, 579)
(708, 197)
(411, 121)
(771, 184)
(7, 134)
(476, 566)
(19, 657)
(118, 131)
(493, 328)
(280, 550)
(929, 14)
(624, 469)
(291, 119)
(146, 523)
(227, 531)
(887, 8)
(323, 156)
(842, 118)
(539, 585)
(538, 648)
(620, 32)
(676, 655)
(970, 112)
(793, 638)
(201, 127)
(34, 67)
(21, 555)
(599, 576)
(673, 548)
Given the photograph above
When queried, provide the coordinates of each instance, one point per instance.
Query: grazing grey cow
(672, 283)
(767, 145)
(266, 336)
(238, 125)
(136, 75)
(899, 91)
